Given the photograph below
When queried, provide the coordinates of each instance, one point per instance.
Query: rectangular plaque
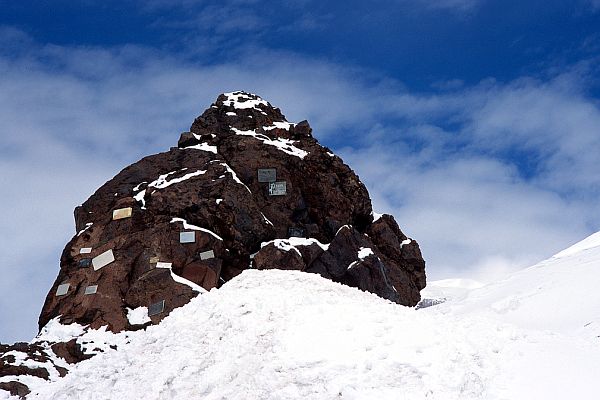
(277, 188)
(85, 250)
(153, 260)
(103, 259)
(156, 308)
(187, 237)
(205, 255)
(296, 232)
(122, 213)
(62, 289)
(267, 174)
(163, 265)
(85, 262)
(92, 289)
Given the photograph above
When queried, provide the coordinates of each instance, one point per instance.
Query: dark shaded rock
(70, 351)
(209, 185)
(15, 388)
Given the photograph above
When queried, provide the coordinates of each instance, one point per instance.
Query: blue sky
(476, 123)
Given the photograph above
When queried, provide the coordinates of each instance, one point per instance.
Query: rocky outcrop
(227, 198)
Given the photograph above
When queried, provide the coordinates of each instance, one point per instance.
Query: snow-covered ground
(291, 335)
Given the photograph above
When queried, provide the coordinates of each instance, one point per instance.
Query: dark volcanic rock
(209, 186)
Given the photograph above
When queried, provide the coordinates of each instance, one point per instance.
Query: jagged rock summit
(243, 189)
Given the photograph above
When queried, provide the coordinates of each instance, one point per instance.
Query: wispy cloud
(442, 162)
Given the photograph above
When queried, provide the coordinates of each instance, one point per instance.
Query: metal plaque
(187, 237)
(153, 260)
(163, 265)
(156, 308)
(122, 213)
(85, 250)
(103, 259)
(205, 255)
(296, 232)
(62, 289)
(85, 262)
(277, 188)
(92, 289)
(267, 174)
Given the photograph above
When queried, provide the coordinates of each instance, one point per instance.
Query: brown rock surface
(209, 185)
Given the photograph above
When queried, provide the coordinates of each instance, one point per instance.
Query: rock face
(243, 189)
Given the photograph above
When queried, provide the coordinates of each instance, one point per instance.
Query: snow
(364, 252)
(588, 243)
(285, 145)
(187, 225)
(87, 226)
(138, 316)
(405, 242)
(376, 216)
(290, 244)
(235, 177)
(218, 201)
(140, 197)
(202, 146)
(241, 100)
(162, 181)
(292, 335)
(278, 125)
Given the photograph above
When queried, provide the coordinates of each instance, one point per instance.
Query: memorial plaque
(187, 237)
(62, 289)
(92, 289)
(296, 232)
(156, 308)
(122, 213)
(205, 255)
(277, 188)
(103, 259)
(153, 260)
(163, 265)
(85, 250)
(85, 262)
(267, 175)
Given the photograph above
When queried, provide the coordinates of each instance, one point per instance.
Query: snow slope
(290, 335)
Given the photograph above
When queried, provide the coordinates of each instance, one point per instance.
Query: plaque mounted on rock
(267, 175)
(205, 255)
(62, 289)
(85, 250)
(296, 232)
(187, 237)
(103, 259)
(156, 308)
(92, 289)
(165, 265)
(277, 188)
(153, 260)
(122, 213)
(85, 262)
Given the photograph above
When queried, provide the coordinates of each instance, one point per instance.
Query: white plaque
(122, 213)
(103, 259)
(85, 250)
(205, 255)
(62, 289)
(187, 237)
(277, 188)
(163, 265)
(92, 289)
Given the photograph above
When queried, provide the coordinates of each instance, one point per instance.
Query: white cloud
(73, 117)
